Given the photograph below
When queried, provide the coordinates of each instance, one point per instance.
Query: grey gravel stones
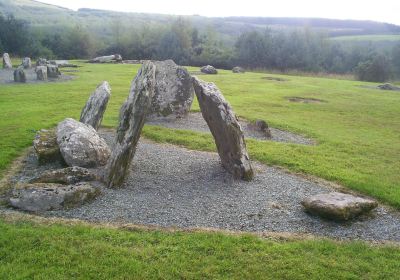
(80, 145)
(173, 94)
(338, 206)
(45, 197)
(41, 73)
(225, 129)
(131, 121)
(92, 113)
(19, 75)
(46, 146)
(208, 69)
(66, 176)
(7, 61)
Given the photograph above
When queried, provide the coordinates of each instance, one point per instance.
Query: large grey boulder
(92, 113)
(41, 73)
(7, 61)
(80, 145)
(26, 62)
(45, 197)
(225, 128)
(107, 59)
(338, 206)
(173, 90)
(46, 147)
(19, 75)
(53, 71)
(66, 176)
(131, 120)
(208, 69)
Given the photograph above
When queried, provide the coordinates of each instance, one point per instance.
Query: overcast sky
(377, 10)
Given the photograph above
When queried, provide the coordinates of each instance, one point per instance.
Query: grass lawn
(357, 130)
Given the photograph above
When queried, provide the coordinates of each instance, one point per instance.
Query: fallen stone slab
(107, 59)
(62, 63)
(338, 206)
(46, 197)
(173, 94)
(208, 69)
(19, 75)
(225, 128)
(80, 145)
(92, 113)
(41, 73)
(388, 86)
(26, 62)
(46, 147)
(7, 61)
(53, 71)
(66, 176)
(131, 121)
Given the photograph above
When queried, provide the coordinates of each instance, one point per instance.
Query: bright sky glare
(377, 10)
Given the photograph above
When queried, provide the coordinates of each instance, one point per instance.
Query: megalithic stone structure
(92, 113)
(225, 128)
(131, 121)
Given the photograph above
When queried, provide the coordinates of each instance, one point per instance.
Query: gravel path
(7, 77)
(174, 187)
(195, 122)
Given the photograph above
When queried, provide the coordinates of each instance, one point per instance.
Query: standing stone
(7, 61)
(46, 147)
(66, 176)
(41, 62)
(53, 71)
(208, 69)
(131, 120)
(92, 113)
(225, 128)
(80, 145)
(19, 75)
(173, 92)
(263, 127)
(26, 62)
(41, 73)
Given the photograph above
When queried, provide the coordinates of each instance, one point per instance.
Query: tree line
(303, 49)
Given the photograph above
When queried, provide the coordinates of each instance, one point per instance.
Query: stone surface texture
(41, 73)
(26, 62)
(53, 71)
(19, 75)
(66, 176)
(7, 61)
(46, 147)
(208, 69)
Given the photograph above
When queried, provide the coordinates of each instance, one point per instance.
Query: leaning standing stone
(19, 75)
(52, 71)
(131, 120)
(41, 73)
(80, 145)
(7, 61)
(92, 113)
(173, 92)
(225, 128)
(26, 62)
(66, 176)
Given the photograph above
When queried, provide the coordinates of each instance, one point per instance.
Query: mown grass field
(357, 129)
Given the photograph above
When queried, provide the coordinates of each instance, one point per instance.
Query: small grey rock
(208, 69)
(238, 69)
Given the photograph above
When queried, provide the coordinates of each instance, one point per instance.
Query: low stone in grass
(338, 206)
(46, 147)
(26, 62)
(19, 75)
(107, 59)
(66, 176)
(46, 197)
(208, 69)
(7, 61)
(238, 70)
(225, 128)
(41, 73)
(53, 71)
(92, 113)
(263, 127)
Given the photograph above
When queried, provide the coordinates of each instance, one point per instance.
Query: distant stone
(80, 145)
(66, 176)
(225, 128)
(41, 73)
(41, 62)
(46, 197)
(53, 71)
(173, 90)
(92, 113)
(62, 63)
(131, 120)
(208, 69)
(107, 59)
(26, 62)
(46, 147)
(263, 127)
(19, 75)
(7, 61)
(388, 87)
(338, 206)
(238, 69)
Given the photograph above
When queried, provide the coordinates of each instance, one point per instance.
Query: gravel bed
(7, 77)
(195, 122)
(170, 186)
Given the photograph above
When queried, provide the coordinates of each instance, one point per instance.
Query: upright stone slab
(26, 63)
(19, 75)
(92, 113)
(173, 92)
(225, 128)
(53, 71)
(41, 73)
(131, 120)
(7, 61)
(41, 62)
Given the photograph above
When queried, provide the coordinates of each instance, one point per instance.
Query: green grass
(34, 251)
(369, 38)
